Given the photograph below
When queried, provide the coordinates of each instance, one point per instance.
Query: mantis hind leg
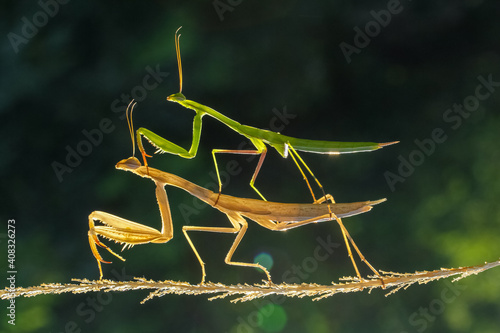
(347, 239)
(328, 197)
(296, 158)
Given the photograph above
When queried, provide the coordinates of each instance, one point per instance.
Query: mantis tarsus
(270, 215)
(259, 138)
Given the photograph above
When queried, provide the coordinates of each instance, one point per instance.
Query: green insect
(283, 144)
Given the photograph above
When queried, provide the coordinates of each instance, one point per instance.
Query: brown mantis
(270, 215)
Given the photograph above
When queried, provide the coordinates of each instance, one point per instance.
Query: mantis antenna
(130, 123)
(178, 52)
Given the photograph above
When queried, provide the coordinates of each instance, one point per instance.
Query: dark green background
(263, 55)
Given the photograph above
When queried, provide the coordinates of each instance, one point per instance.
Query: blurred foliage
(262, 56)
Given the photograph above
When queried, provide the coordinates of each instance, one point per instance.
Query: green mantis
(270, 215)
(283, 144)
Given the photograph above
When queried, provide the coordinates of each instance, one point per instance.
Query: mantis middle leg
(239, 225)
(262, 151)
(242, 152)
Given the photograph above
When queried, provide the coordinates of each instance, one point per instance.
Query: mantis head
(177, 97)
(130, 163)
